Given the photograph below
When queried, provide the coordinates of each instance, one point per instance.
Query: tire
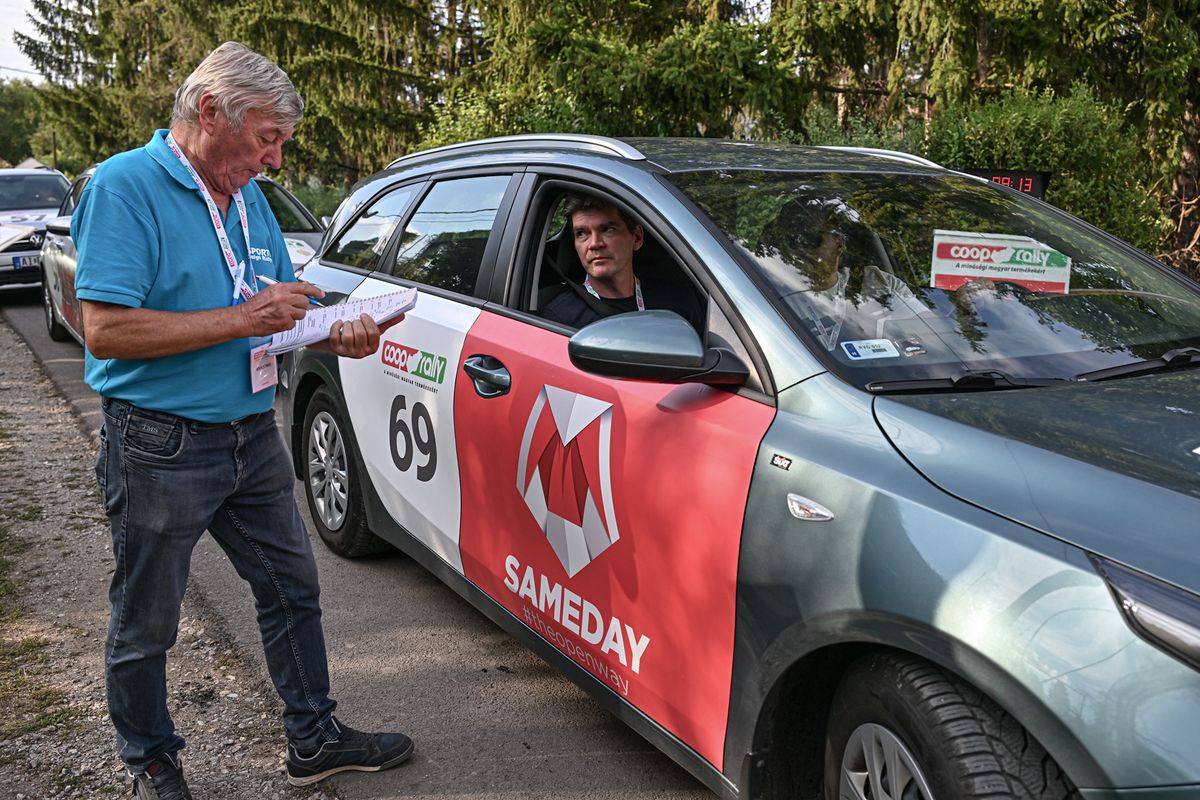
(56, 330)
(943, 738)
(332, 482)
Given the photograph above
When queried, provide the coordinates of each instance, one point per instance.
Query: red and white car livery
(765, 534)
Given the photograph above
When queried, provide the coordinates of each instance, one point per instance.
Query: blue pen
(268, 281)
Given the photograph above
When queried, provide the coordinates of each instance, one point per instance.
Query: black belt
(197, 425)
(192, 424)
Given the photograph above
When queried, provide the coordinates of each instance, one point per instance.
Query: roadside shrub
(819, 126)
(321, 199)
(1099, 172)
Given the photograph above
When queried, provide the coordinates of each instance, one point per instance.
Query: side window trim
(73, 195)
(506, 266)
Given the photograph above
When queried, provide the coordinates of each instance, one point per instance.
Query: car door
(58, 257)
(606, 515)
(401, 400)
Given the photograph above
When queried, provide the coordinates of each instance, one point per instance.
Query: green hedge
(1099, 172)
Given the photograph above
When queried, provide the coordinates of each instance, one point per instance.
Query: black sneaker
(366, 752)
(162, 780)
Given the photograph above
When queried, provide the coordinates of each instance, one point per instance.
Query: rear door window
(362, 244)
(444, 241)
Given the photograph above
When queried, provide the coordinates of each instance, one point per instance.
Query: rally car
(927, 529)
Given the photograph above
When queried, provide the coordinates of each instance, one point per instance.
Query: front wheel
(332, 481)
(903, 729)
(55, 329)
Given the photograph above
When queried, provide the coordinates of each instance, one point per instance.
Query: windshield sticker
(870, 348)
(912, 346)
(960, 256)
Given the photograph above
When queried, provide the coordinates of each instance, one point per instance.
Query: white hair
(239, 79)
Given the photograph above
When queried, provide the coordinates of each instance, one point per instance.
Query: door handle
(491, 377)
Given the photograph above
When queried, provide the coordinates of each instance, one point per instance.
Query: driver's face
(604, 242)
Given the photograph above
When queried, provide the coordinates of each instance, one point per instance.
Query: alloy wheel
(328, 481)
(47, 304)
(877, 766)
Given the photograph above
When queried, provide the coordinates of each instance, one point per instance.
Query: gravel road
(55, 564)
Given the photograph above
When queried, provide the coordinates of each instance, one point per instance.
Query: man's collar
(158, 150)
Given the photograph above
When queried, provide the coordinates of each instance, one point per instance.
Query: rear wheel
(332, 481)
(903, 729)
(56, 330)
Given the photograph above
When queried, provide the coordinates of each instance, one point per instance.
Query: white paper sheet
(319, 319)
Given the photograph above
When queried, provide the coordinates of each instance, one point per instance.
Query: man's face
(233, 158)
(604, 243)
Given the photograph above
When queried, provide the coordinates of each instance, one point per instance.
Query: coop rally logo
(414, 362)
(963, 256)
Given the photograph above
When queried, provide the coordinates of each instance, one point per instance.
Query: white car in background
(28, 197)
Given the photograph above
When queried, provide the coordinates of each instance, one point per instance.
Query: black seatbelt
(592, 302)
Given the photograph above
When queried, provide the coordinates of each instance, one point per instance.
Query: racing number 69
(420, 434)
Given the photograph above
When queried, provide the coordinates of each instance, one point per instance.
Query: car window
(912, 277)
(287, 210)
(663, 282)
(72, 199)
(20, 192)
(443, 243)
(364, 241)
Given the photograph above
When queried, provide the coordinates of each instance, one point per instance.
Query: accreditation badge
(263, 371)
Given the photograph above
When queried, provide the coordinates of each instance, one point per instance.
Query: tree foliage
(383, 78)
(18, 109)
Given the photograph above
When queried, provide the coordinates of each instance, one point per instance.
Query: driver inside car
(605, 241)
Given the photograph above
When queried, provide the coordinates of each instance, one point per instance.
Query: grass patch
(229, 660)
(31, 513)
(28, 704)
(10, 596)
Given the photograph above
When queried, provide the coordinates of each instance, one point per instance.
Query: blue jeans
(165, 480)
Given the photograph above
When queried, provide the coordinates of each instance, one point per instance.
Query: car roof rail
(567, 141)
(895, 155)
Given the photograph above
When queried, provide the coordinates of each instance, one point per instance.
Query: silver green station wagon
(891, 491)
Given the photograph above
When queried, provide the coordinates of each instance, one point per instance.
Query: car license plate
(26, 261)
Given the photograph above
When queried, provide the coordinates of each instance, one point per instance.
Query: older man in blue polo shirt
(174, 241)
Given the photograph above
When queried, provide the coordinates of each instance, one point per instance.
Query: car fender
(1019, 614)
(301, 373)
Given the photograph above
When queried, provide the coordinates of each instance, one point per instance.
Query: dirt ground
(55, 565)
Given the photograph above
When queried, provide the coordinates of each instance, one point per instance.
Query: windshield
(28, 192)
(909, 277)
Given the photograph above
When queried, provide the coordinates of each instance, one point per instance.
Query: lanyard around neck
(637, 292)
(241, 290)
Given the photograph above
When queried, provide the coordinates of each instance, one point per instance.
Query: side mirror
(60, 226)
(653, 346)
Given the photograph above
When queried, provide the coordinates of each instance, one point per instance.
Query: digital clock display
(1032, 183)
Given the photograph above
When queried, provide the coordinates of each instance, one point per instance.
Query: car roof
(29, 171)
(684, 154)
